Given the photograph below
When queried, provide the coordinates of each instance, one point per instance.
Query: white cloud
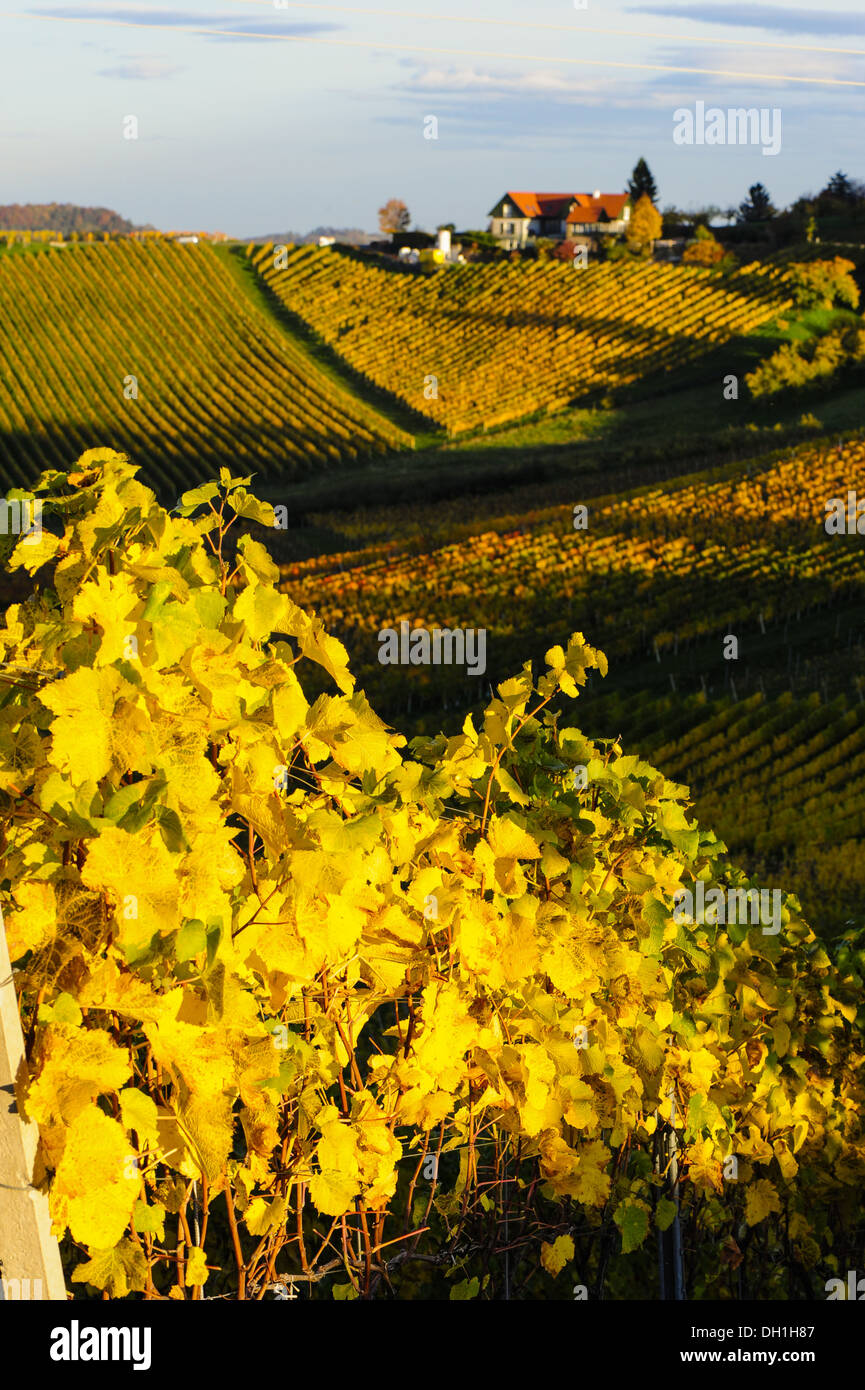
(140, 70)
(571, 88)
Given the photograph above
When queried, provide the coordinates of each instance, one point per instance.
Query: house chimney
(597, 193)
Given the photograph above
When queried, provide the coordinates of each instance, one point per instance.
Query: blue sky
(274, 117)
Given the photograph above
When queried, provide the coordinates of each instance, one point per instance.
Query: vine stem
(235, 1240)
(501, 753)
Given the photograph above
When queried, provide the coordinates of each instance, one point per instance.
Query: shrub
(823, 283)
(796, 365)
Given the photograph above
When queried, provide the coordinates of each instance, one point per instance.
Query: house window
(508, 228)
(506, 210)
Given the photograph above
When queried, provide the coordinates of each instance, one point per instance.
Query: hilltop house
(517, 217)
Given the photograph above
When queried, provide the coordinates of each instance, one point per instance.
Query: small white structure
(326, 240)
(443, 242)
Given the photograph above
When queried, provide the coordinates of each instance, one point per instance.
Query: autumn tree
(394, 217)
(644, 226)
(705, 249)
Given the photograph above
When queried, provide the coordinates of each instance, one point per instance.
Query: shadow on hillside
(301, 332)
(169, 464)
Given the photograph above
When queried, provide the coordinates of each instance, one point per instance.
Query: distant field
(504, 341)
(218, 382)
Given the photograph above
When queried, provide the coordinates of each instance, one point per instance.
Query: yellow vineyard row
(479, 345)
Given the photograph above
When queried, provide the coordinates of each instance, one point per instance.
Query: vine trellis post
(671, 1272)
(30, 1265)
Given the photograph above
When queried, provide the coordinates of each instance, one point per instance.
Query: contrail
(449, 52)
(557, 28)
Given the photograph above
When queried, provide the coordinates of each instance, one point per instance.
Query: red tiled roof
(589, 209)
(541, 204)
(559, 204)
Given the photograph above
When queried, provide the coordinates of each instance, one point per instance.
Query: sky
(258, 117)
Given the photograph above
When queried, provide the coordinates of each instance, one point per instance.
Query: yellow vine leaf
(108, 601)
(335, 1187)
(96, 1183)
(760, 1199)
(119, 1270)
(35, 924)
(138, 1112)
(77, 1064)
(81, 732)
(555, 1256)
(262, 1216)
(141, 879)
(196, 1272)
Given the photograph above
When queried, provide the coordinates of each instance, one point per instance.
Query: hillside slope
(217, 382)
(480, 345)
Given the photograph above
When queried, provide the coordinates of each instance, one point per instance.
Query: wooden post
(671, 1273)
(29, 1254)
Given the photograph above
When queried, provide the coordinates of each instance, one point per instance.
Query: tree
(641, 182)
(644, 226)
(394, 217)
(705, 249)
(757, 207)
(840, 187)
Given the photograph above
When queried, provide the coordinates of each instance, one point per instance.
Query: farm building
(518, 217)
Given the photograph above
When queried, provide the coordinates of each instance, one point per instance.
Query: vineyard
(157, 350)
(368, 980)
(780, 778)
(660, 578)
(481, 345)
(658, 569)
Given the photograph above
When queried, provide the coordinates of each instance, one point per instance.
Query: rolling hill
(156, 350)
(483, 345)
